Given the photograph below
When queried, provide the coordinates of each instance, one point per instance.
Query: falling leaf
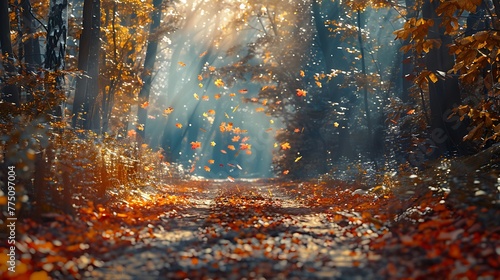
(131, 133)
(200, 78)
(203, 54)
(140, 127)
(298, 158)
(285, 172)
(168, 111)
(259, 109)
(211, 112)
(222, 127)
(211, 161)
(219, 83)
(178, 125)
(336, 124)
(145, 105)
(207, 168)
(200, 85)
(211, 68)
(217, 96)
(196, 96)
(301, 92)
(297, 130)
(232, 94)
(243, 91)
(244, 146)
(235, 138)
(223, 151)
(182, 64)
(231, 147)
(195, 145)
(205, 98)
(236, 108)
(213, 143)
(410, 112)
(285, 146)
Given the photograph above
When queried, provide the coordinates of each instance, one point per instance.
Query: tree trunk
(31, 45)
(408, 65)
(87, 86)
(55, 53)
(10, 92)
(444, 95)
(147, 74)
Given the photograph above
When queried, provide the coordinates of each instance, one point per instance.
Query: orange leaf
(168, 111)
(195, 145)
(301, 92)
(285, 146)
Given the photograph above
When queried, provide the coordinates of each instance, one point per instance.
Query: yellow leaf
(298, 158)
(433, 77)
(219, 83)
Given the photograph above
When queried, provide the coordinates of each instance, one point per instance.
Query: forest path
(242, 230)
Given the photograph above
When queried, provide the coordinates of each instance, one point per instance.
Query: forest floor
(264, 229)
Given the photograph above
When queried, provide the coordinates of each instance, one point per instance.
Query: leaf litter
(265, 230)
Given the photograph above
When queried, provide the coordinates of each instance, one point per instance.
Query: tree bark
(147, 74)
(55, 54)
(10, 91)
(444, 95)
(87, 86)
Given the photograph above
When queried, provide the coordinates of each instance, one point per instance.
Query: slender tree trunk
(55, 54)
(87, 86)
(147, 74)
(10, 92)
(31, 45)
(365, 90)
(408, 65)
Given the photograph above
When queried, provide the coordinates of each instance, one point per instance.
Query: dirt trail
(242, 230)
